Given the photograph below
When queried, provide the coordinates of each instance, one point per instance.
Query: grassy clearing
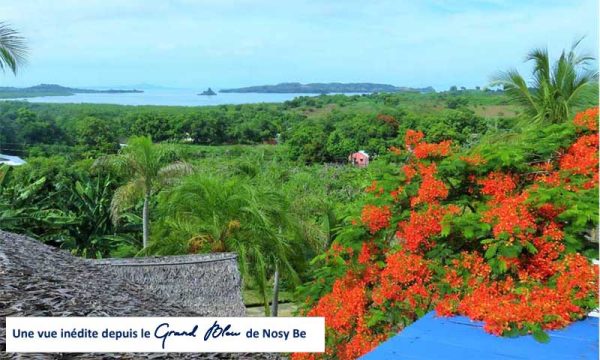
(288, 309)
(255, 307)
(489, 111)
(253, 298)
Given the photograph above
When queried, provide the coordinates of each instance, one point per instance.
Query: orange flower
(587, 119)
(473, 160)
(395, 150)
(412, 138)
(424, 150)
(376, 218)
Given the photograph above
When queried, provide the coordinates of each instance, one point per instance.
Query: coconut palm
(553, 90)
(145, 165)
(13, 50)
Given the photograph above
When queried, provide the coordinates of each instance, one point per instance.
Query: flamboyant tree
(496, 234)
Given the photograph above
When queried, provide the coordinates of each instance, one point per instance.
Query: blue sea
(172, 97)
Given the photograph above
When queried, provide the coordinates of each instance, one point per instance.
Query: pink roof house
(359, 158)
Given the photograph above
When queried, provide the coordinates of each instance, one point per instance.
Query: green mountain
(325, 88)
(53, 90)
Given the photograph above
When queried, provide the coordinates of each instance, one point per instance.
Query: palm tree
(553, 90)
(13, 50)
(144, 164)
(209, 214)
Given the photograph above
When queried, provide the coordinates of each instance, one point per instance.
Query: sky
(232, 43)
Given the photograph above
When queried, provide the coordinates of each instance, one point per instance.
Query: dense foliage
(316, 129)
(497, 233)
(95, 208)
(276, 189)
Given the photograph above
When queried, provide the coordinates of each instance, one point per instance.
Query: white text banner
(165, 334)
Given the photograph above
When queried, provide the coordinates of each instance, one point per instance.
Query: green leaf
(513, 332)
(468, 232)
(529, 246)
(502, 267)
(491, 251)
(511, 251)
(376, 316)
(446, 228)
(541, 336)
(591, 253)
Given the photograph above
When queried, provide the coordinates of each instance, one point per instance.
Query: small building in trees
(359, 158)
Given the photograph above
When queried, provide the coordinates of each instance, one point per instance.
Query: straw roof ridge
(40, 280)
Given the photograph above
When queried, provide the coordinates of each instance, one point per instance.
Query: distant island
(208, 92)
(53, 90)
(326, 88)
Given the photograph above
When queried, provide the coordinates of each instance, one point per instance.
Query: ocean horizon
(165, 97)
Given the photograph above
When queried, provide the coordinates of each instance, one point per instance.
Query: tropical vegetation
(467, 206)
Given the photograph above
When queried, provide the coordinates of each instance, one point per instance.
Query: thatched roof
(206, 283)
(39, 280)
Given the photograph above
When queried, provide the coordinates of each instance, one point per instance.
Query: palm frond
(125, 196)
(541, 65)
(13, 50)
(118, 164)
(168, 175)
(516, 87)
(553, 90)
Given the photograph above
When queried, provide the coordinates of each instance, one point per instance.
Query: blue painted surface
(458, 337)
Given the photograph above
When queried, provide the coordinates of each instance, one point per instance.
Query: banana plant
(93, 233)
(24, 209)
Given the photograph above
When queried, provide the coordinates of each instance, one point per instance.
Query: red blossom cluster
(431, 189)
(422, 150)
(582, 157)
(511, 216)
(376, 218)
(425, 150)
(405, 278)
(542, 264)
(498, 185)
(503, 307)
(550, 178)
(344, 309)
(417, 232)
(412, 138)
(409, 172)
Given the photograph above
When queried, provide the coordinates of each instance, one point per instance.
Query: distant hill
(53, 90)
(325, 88)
